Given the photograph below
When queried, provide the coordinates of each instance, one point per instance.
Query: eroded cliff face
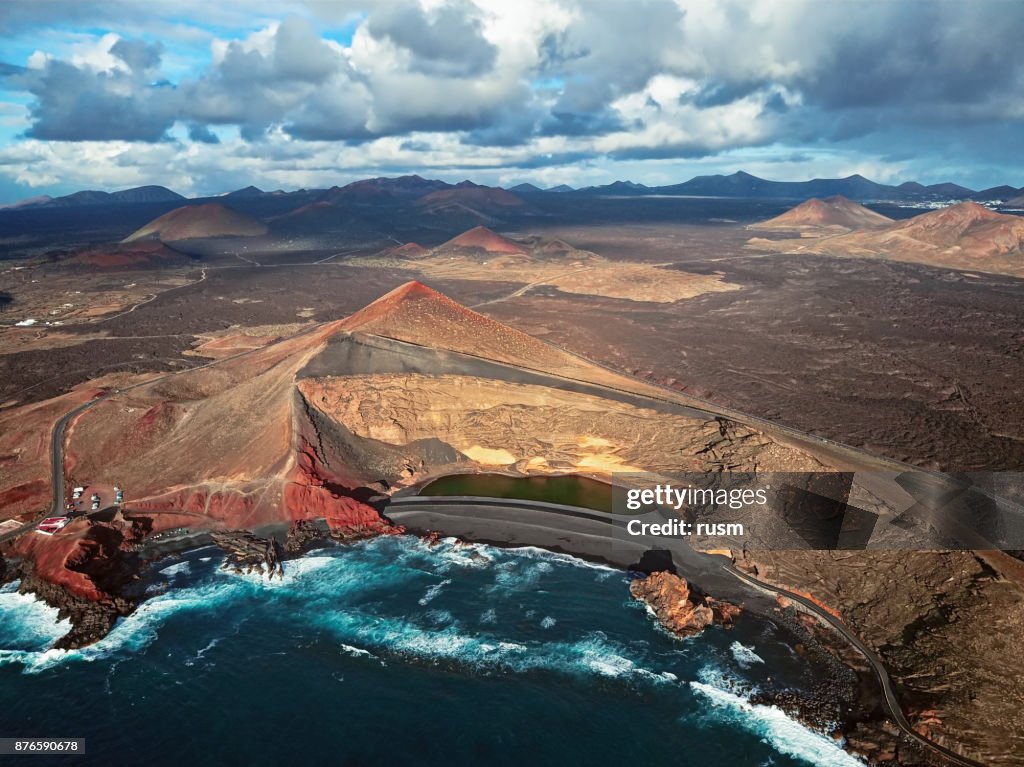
(537, 429)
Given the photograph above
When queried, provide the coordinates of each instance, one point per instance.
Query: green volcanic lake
(569, 489)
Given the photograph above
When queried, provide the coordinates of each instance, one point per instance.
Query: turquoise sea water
(393, 652)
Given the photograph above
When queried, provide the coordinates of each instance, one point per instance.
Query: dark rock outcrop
(248, 552)
(677, 608)
(90, 620)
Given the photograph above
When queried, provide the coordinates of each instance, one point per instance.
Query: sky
(205, 96)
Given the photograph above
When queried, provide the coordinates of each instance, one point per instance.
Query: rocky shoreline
(844, 704)
(114, 572)
(90, 620)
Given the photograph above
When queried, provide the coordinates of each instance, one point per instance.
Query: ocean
(395, 652)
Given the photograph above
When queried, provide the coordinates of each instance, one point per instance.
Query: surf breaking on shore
(473, 609)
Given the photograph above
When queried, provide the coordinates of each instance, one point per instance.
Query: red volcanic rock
(962, 236)
(230, 507)
(969, 228)
(82, 572)
(309, 495)
(482, 238)
(341, 512)
(409, 250)
(678, 610)
(126, 255)
(76, 559)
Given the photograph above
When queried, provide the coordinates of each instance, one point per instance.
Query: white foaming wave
(358, 652)
(744, 655)
(307, 573)
(519, 575)
(770, 723)
(597, 654)
(433, 591)
(548, 622)
(594, 654)
(720, 679)
(489, 616)
(138, 630)
(27, 622)
(533, 552)
(10, 588)
(132, 633)
(439, 617)
(454, 553)
(180, 567)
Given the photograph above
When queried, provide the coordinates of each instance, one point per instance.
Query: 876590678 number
(27, 746)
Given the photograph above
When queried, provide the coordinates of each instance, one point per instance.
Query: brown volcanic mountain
(197, 221)
(291, 430)
(963, 236)
(482, 238)
(418, 314)
(834, 211)
(482, 198)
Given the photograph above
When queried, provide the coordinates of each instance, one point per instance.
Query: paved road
(892, 703)
(514, 522)
(57, 434)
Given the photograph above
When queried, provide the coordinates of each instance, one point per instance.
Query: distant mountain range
(738, 185)
(856, 187)
(91, 197)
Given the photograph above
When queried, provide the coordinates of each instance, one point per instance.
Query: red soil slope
(482, 238)
(418, 314)
(126, 255)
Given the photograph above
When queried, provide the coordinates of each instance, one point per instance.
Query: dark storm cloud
(202, 134)
(447, 41)
(921, 54)
(74, 104)
(561, 123)
(138, 54)
(797, 72)
(718, 94)
(611, 49)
